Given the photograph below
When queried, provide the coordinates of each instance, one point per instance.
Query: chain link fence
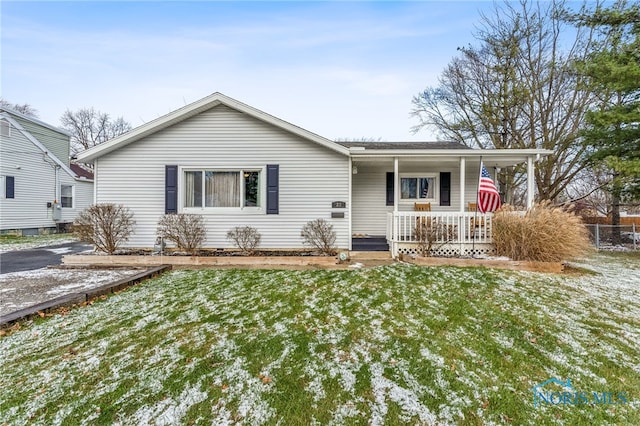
(606, 236)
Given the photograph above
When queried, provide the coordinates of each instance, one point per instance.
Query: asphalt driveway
(26, 260)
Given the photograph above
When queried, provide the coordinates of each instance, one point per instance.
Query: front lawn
(13, 242)
(390, 345)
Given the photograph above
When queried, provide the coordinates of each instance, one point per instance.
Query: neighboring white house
(237, 166)
(39, 190)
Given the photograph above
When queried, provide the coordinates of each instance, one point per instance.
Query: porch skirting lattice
(450, 233)
(449, 250)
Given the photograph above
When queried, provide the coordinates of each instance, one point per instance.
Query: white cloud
(340, 70)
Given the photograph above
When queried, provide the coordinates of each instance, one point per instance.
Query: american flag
(488, 196)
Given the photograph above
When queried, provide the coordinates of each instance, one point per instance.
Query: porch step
(369, 244)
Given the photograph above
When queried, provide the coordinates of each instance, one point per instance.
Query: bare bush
(245, 238)
(106, 226)
(431, 233)
(320, 234)
(186, 231)
(545, 233)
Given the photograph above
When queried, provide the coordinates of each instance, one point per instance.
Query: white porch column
(463, 165)
(396, 185)
(350, 203)
(530, 182)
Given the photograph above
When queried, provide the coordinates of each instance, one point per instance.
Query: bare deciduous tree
(106, 226)
(90, 128)
(515, 89)
(25, 108)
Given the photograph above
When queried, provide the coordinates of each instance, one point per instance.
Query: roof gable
(7, 116)
(35, 121)
(196, 108)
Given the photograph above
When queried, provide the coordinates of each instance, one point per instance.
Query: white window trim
(436, 189)
(73, 196)
(262, 169)
(3, 188)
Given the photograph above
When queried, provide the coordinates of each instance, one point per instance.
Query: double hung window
(66, 196)
(417, 188)
(222, 188)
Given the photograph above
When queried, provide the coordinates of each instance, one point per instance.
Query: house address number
(338, 205)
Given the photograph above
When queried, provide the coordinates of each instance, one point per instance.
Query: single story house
(237, 166)
(40, 190)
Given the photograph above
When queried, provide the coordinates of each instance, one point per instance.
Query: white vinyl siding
(57, 143)
(34, 186)
(82, 196)
(369, 185)
(311, 176)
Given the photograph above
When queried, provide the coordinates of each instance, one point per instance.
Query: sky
(341, 69)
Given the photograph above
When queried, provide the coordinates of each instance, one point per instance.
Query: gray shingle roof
(404, 145)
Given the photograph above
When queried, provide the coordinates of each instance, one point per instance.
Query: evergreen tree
(613, 125)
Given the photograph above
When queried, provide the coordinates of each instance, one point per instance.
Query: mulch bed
(218, 253)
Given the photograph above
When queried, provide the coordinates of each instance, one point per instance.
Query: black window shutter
(9, 187)
(445, 188)
(390, 189)
(272, 188)
(171, 189)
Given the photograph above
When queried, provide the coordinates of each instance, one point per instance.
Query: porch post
(463, 165)
(396, 185)
(462, 231)
(349, 203)
(530, 182)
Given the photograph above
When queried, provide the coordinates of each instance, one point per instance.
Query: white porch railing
(444, 228)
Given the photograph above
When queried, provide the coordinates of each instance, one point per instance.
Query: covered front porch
(440, 233)
(390, 179)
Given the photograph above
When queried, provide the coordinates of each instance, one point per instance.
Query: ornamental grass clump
(544, 233)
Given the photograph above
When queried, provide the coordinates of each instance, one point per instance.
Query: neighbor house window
(66, 196)
(7, 187)
(222, 188)
(418, 188)
(5, 128)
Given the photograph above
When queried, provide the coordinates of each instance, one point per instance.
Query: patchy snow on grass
(35, 241)
(23, 289)
(396, 344)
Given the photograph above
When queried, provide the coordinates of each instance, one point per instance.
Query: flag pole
(475, 213)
